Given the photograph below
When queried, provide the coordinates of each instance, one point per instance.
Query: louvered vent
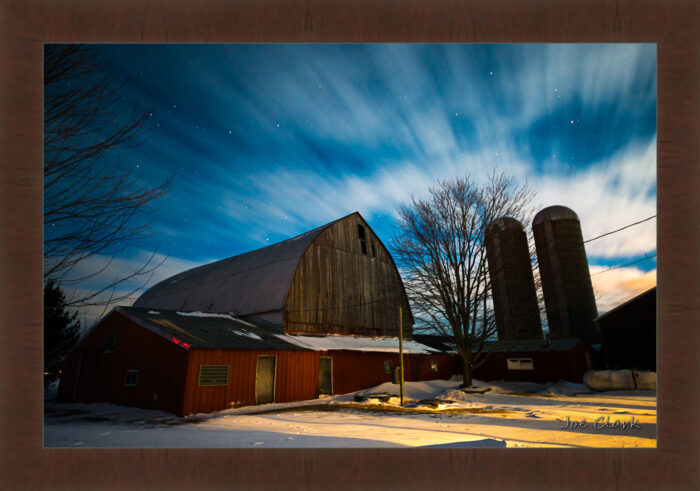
(213, 375)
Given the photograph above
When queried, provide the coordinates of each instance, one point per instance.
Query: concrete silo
(566, 280)
(514, 296)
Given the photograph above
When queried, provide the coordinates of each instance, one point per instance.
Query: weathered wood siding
(339, 288)
(296, 378)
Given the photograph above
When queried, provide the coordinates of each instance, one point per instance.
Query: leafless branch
(440, 249)
(93, 206)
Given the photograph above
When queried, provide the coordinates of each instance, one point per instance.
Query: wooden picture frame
(26, 25)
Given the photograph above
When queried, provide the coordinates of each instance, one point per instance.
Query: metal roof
(200, 330)
(446, 344)
(650, 291)
(225, 331)
(436, 341)
(511, 345)
(249, 283)
(556, 212)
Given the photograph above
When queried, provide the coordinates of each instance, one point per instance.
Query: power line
(623, 228)
(623, 265)
(572, 246)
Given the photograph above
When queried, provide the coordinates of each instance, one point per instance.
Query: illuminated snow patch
(245, 333)
(230, 317)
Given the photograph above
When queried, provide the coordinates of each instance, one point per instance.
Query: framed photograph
(400, 251)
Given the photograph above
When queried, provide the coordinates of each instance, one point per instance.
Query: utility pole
(401, 351)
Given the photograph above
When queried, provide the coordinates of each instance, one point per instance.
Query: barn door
(265, 380)
(325, 376)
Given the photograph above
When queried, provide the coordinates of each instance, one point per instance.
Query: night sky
(265, 142)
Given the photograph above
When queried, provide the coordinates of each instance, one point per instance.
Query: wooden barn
(628, 333)
(313, 315)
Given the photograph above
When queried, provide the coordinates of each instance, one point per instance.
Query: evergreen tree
(61, 331)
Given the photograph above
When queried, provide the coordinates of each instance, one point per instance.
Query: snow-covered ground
(435, 414)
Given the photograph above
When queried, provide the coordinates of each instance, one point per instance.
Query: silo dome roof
(556, 212)
(502, 224)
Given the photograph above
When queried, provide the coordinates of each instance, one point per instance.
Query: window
(433, 366)
(132, 378)
(387, 366)
(210, 375)
(361, 231)
(110, 341)
(520, 364)
(364, 247)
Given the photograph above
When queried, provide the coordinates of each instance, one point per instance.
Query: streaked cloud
(619, 285)
(268, 141)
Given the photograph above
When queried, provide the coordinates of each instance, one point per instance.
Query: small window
(110, 341)
(361, 231)
(364, 247)
(520, 364)
(387, 366)
(433, 366)
(210, 375)
(132, 378)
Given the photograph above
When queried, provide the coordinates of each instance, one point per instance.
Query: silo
(512, 283)
(566, 280)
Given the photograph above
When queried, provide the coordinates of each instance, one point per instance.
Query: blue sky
(267, 141)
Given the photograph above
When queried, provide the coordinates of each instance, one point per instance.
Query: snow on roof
(331, 343)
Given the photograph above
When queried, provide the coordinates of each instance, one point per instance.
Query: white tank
(620, 380)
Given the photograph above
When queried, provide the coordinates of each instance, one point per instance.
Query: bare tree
(441, 251)
(91, 203)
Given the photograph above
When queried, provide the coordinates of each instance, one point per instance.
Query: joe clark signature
(600, 423)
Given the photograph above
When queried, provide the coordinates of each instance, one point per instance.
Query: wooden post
(401, 351)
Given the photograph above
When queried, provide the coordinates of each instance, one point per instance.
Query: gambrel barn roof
(338, 278)
(254, 282)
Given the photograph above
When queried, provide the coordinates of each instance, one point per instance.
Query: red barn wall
(296, 378)
(296, 375)
(101, 377)
(354, 370)
(548, 366)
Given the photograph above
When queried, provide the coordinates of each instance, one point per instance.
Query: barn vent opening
(212, 375)
(520, 364)
(361, 231)
(364, 247)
